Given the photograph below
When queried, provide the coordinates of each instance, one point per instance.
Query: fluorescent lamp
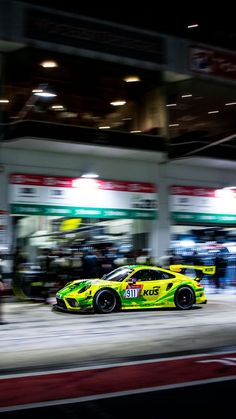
(45, 94)
(49, 64)
(118, 103)
(195, 25)
(131, 79)
(90, 175)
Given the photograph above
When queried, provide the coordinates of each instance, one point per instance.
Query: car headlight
(83, 289)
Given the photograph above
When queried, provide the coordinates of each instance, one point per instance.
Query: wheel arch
(185, 286)
(119, 304)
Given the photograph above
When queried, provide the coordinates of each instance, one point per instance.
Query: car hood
(84, 283)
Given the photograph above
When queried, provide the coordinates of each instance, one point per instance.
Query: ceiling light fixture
(210, 112)
(90, 175)
(57, 107)
(173, 125)
(189, 95)
(49, 64)
(195, 25)
(37, 90)
(230, 104)
(4, 101)
(171, 104)
(131, 79)
(45, 94)
(118, 103)
(86, 185)
(104, 127)
(224, 193)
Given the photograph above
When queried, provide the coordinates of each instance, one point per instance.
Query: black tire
(105, 301)
(184, 298)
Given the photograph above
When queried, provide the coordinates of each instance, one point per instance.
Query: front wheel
(184, 298)
(105, 301)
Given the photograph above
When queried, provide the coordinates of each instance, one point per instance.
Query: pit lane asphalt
(35, 336)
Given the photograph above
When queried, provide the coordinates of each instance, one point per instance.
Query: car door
(143, 288)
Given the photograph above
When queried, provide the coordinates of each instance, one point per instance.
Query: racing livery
(134, 287)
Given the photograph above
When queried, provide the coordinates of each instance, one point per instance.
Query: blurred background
(117, 139)
(141, 106)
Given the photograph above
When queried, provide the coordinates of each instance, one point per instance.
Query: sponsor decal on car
(153, 291)
(132, 291)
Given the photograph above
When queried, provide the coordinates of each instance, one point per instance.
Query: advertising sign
(203, 205)
(213, 62)
(85, 198)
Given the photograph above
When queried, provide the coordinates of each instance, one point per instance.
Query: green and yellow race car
(134, 287)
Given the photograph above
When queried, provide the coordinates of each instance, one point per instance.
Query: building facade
(149, 114)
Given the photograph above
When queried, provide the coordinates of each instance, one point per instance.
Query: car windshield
(118, 274)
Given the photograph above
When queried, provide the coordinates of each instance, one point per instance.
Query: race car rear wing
(208, 270)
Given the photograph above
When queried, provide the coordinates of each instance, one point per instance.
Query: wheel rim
(106, 301)
(185, 298)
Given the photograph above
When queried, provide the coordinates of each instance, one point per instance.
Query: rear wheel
(184, 298)
(105, 301)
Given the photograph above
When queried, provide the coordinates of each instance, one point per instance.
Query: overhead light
(229, 187)
(195, 25)
(189, 95)
(57, 107)
(4, 101)
(104, 127)
(173, 125)
(131, 79)
(37, 90)
(213, 112)
(90, 175)
(86, 185)
(224, 193)
(45, 94)
(118, 103)
(135, 131)
(49, 64)
(230, 104)
(171, 104)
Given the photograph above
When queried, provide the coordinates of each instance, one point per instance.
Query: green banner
(64, 211)
(203, 217)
